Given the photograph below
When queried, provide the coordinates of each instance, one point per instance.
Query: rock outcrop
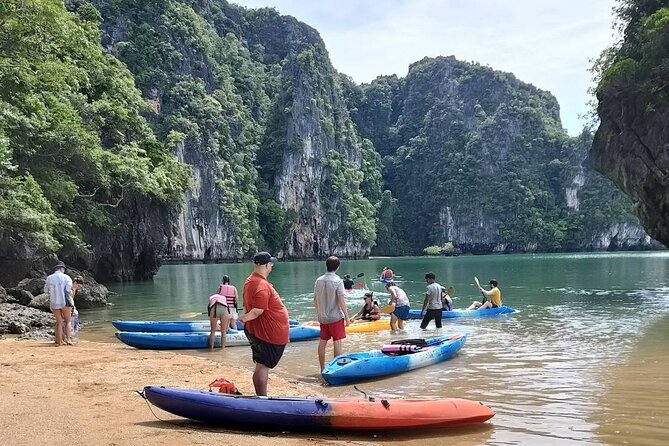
(631, 148)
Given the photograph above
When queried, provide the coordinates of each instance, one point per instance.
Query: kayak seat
(343, 361)
(400, 349)
(418, 342)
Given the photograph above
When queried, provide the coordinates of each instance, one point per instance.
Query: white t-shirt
(58, 285)
(401, 296)
(327, 289)
(434, 299)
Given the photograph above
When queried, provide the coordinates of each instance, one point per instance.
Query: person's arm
(487, 293)
(393, 295)
(253, 314)
(316, 301)
(344, 308)
(427, 296)
(358, 313)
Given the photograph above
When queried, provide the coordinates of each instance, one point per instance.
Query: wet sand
(634, 410)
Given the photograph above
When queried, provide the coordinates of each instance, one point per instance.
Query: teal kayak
(415, 314)
(392, 359)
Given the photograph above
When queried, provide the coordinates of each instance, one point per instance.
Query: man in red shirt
(265, 320)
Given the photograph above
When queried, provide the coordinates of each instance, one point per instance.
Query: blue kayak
(286, 412)
(390, 361)
(184, 340)
(415, 314)
(171, 326)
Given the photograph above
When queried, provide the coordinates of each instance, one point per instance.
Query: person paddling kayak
(494, 294)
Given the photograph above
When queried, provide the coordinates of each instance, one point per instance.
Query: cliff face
(479, 158)
(250, 93)
(631, 148)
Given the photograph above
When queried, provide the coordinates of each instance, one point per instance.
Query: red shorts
(335, 330)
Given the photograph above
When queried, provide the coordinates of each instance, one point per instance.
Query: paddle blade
(361, 285)
(360, 274)
(450, 291)
(476, 280)
(189, 315)
(387, 309)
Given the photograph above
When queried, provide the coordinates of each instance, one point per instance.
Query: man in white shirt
(432, 301)
(59, 286)
(331, 309)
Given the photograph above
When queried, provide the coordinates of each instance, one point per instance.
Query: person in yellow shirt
(491, 299)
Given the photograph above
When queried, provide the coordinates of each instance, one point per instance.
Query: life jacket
(224, 386)
(368, 313)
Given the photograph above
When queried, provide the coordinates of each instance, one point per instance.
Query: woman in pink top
(217, 309)
(230, 292)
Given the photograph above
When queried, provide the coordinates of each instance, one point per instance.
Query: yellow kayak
(366, 327)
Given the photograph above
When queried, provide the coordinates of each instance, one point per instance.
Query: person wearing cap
(399, 299)
(432, 301)
(331, 309)
(494, 294)
(265, 320)
(59, 286)
(369, 311)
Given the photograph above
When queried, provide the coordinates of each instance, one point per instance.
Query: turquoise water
(547, 370)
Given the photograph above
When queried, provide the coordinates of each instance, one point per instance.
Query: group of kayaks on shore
(344, 413)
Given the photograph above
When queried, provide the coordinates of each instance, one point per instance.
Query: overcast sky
(545, 43)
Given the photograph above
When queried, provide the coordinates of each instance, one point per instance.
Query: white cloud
(545, 43)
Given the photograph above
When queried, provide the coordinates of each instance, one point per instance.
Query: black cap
(262, 258)
(60, 264)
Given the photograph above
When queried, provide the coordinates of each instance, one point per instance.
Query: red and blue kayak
(488, 312)
(321, 413)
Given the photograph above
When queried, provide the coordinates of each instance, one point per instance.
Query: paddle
(190, 315)
(360, 274)
(387, 309)
(476, 279)
(361, 285)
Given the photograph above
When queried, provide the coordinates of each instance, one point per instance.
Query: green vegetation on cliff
(638, 63)
(73, 145)
(468, 147)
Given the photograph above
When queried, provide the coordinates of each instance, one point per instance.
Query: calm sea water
(585, 361)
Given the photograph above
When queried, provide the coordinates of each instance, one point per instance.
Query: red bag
(224, 386)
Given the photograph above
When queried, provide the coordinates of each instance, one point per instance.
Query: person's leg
(437, 318)
(485, 305)
(58, 327)
(337, 348)
(67, 327)
(401, 323)
(233, 319)
(393, 322)
(474, 305)
(426, 320)
(260, 376)
(322, 344)
(225, 321)
(213, 321)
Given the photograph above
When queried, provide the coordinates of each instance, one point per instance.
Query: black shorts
(263, 352)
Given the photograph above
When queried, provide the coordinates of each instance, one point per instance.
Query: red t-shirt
(272, 326)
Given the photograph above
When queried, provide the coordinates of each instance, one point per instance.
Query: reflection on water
(578, 364)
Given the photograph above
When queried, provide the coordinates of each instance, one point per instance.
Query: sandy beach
(85, 395)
